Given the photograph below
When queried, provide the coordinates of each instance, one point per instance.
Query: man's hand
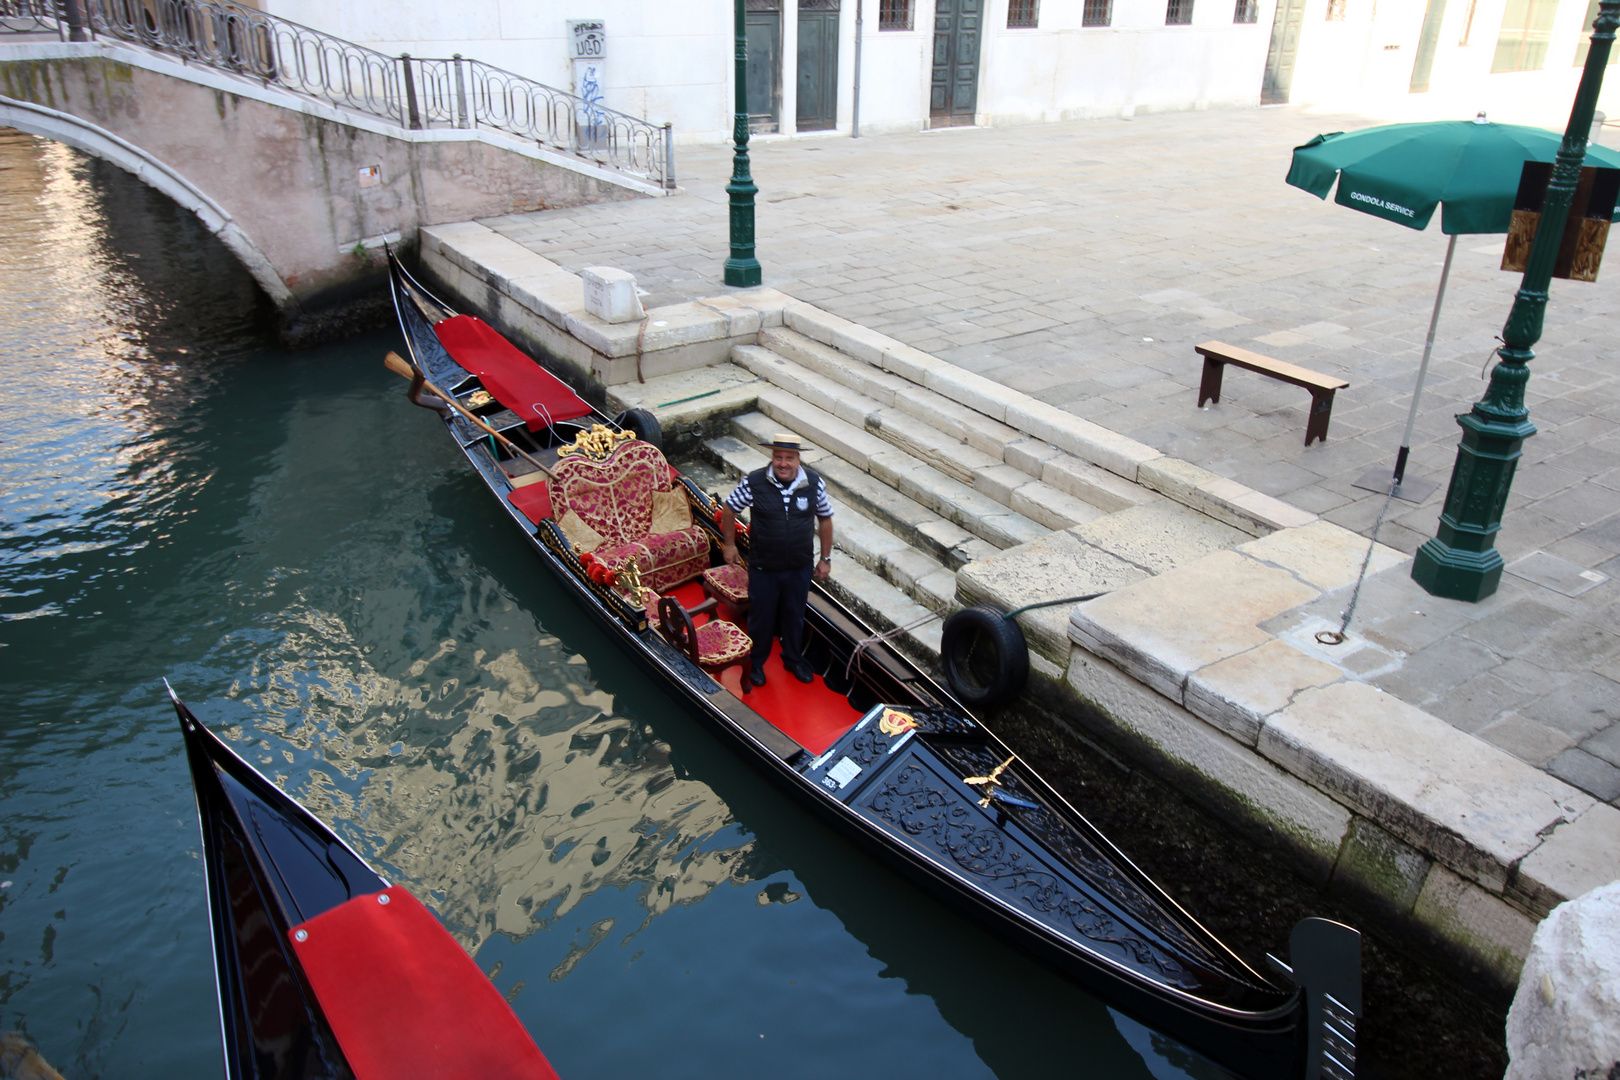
(823, 570)
(728, 535)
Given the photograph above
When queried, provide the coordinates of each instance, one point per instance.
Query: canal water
(303, 555)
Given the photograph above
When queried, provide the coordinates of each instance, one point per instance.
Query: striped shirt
(742, 496)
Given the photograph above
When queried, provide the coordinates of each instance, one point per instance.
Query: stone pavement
(1081, 262)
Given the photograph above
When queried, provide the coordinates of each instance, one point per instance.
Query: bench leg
(1210, 388)
(1321, 413)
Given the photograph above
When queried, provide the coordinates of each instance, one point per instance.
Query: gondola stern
(1326, 966)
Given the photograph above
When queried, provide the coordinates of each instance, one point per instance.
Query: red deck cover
(516, 381)
(533, 500)
(404, 999)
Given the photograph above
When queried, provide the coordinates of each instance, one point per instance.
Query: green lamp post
(742, 268)
(1462, 562)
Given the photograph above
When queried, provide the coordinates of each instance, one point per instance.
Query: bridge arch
(81, 134)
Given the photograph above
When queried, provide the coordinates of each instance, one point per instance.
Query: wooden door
(818, 65)
(1279, 77)
(764, 29)
(955, 91)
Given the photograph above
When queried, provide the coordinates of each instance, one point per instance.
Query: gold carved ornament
(988, 783)
(597, 444)
(629, 579)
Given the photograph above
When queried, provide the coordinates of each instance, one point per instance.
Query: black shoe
(804, 674)
(757, 676)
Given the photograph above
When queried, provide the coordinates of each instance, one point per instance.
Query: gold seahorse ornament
(988, 783)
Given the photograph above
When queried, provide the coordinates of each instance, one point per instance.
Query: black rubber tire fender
(643, 424)
(985, 657)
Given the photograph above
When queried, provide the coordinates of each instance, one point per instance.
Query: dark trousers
(776, 601)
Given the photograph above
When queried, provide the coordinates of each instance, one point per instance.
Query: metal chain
(1337, 637)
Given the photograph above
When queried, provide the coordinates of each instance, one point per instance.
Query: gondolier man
(790, 508)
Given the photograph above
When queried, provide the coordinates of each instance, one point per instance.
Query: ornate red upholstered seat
(716, 644)
(728, 584)
(615, 497)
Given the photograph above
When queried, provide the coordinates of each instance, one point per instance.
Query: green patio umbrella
(1401, 172)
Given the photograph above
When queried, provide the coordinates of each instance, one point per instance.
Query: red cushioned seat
(615, 498)
(728, 584)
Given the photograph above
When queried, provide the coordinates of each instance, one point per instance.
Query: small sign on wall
(587, 39)
(370, 175)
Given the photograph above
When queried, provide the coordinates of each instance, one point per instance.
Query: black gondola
(324, 970)
(872, 744)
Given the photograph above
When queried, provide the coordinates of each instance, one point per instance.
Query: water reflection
(311, 564)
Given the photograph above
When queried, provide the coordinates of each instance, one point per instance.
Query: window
(1526, 29)
(1586, 39)
(1022, 13)
(1097, 13)
(894, 14)
(1178, 13)
(1335, 10)
(1468, 23)
(1246, 11)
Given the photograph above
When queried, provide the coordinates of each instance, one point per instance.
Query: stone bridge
(304, 192)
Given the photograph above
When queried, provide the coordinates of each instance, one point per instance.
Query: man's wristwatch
(827, 559)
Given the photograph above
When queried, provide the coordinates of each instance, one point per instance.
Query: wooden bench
(1217, 354)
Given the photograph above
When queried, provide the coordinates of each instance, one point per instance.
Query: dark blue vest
(781, 539)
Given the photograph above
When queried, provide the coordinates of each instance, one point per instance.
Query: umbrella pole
(1423, 368)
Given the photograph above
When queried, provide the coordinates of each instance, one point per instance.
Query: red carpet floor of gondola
(810, 714)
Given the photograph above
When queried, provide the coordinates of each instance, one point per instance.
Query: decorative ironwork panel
(945, 823)
(31, 17)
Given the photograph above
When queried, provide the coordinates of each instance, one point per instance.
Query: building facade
(923, 63)
(935, 63)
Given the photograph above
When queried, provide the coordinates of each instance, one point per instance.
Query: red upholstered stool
(729, 585)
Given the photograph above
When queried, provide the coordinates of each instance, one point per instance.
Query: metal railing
(37, 16)
(413, 92)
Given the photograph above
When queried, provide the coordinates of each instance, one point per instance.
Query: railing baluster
(413, 119)
(461, 95)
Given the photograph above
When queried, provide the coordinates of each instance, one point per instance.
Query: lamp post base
(1456, 574)
(1461, 562)
(743, 272)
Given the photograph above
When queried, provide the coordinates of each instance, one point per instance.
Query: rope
(867, 642)
(1053, 603)
(1337, 637)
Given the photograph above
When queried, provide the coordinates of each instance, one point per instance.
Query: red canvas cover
(516, 381)
(533, 500)
(404, 999)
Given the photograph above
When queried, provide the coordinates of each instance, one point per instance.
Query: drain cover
(1559, 575)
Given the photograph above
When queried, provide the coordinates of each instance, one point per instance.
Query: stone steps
(846, 404)
(959, 440)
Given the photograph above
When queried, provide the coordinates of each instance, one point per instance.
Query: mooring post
(1462, 562)
(742, 268)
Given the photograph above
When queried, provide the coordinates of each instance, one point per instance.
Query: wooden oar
(402, 367)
